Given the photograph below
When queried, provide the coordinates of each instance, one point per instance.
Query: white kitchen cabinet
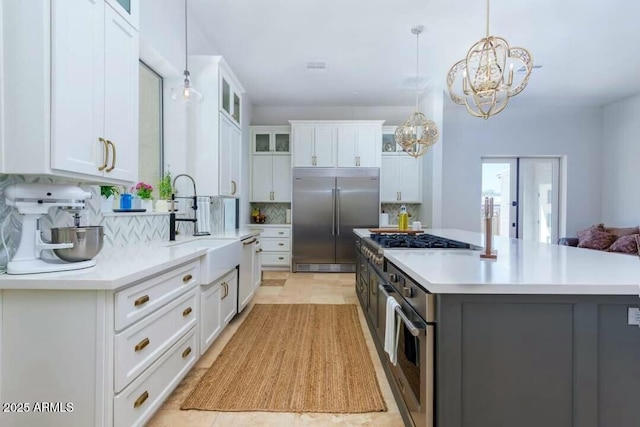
(336, 143)
(229, 296)
(128, 9)
(276, 247)
(400, 179)
(246, 281)
(271, 139)
(72, 74)
(210, 315)
(216, 146)
(271, 178)
(257, 264)
(358, 145)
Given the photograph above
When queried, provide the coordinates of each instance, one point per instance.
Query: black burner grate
(417, 241)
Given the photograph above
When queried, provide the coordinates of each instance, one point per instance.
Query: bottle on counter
(403, 219)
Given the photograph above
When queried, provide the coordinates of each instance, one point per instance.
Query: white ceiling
(589, 49)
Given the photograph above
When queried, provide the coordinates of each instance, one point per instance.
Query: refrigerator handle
(338, 211)
(333, 211)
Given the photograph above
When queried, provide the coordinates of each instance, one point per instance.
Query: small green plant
(108, 191)
(164, 188)
(142, 190)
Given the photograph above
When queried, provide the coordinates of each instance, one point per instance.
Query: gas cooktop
(425, 241)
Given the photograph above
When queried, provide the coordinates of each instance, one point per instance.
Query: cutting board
(394, 231)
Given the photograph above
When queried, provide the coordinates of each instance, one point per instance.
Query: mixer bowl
(87, 242)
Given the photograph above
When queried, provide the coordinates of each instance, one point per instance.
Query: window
(150, 128)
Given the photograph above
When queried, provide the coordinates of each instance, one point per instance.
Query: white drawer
(275, 258)
(276, 232)
(133, 303)
(275, 245)
(138, 402)
(140, 345)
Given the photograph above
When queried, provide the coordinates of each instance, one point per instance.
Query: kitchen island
(538, 337)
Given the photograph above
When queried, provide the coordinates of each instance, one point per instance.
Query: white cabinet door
(347, 146)
(210, 325)
(281, 178)
(224, 171)
(121, 96)
(245, 281)
(389, 180)
(368, 153)
(228, 297)
(236, 165)
(77, 86)
(409, 179)
(257, 264)
(303, 142)
(261, 173)
(324, 146)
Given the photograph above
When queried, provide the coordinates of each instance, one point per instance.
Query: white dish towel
(203, 214)
(392, 331)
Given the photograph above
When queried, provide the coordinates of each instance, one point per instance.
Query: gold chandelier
(417, 133)
(487, 75)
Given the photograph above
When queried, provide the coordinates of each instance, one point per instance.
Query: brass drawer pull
(280, 244)
(113, 162)
(186, 352)
(280, 232)
(139, 401)
(226, 290)
(281, 257)
(186, 278)
(142, 300)
(106, 154)
(142, 344)
(187, 311)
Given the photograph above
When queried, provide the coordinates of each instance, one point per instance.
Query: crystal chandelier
(417, 133)
(487, 75)
(185, 92)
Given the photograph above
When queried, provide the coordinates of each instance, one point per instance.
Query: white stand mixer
(32, 201)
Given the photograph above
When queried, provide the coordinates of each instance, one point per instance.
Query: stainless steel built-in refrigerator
(327, 205)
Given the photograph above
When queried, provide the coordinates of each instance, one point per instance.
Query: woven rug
(293, 358)
(273, 282)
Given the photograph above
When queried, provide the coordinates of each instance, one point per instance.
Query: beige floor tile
(327, 299)
(254, 419)
(369, 419)
(178, 418)
(275, 274)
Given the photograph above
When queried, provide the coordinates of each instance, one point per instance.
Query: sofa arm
(568, 241)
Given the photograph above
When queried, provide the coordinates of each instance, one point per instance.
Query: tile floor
(299, 288)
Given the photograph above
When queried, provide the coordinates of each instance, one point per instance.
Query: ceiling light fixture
(486, 84)
(417, 133)
(185, 92)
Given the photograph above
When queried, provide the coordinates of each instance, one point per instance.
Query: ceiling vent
(523, 70)
(316, 65)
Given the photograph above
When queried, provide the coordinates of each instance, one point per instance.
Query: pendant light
(186, 93)
(487, 75)
(417, 133)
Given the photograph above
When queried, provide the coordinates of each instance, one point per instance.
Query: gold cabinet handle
(142, 344)
(186, 352)
(280, 257)
(187, 311)
(106, 154)
(235, 187)
(139, 401)
(113, 162)
(186, 278)
(280, 232)
(224, 286)
(400, 192)
(142, 300)
(280, 244)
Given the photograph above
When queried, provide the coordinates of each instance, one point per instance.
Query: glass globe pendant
(186, 93)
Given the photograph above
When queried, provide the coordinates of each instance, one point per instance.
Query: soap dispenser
(403, 219)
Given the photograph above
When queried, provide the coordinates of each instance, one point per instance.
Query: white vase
(146, 204)
(106, 204)
(162, 206)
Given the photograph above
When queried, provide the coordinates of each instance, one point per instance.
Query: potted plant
(143, 192)
(108, 194)
(164, 192)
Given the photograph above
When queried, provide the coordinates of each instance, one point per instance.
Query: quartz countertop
(121, 266)
(522, 267)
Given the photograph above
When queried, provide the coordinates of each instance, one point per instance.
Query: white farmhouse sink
(222, 256)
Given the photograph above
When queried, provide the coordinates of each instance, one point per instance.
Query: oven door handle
(413, 329)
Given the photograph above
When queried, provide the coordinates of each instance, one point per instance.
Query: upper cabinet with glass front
(128, 9)
(271, 139)
(230, 95)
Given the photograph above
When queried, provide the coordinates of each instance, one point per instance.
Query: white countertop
(522, 267)
(118, 267)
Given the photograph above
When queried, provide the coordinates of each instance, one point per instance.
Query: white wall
(574, 132)
(620, 163)
(270, 115)
(431, 105)
(245, 183)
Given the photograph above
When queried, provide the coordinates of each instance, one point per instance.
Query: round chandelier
(483, 81)
(417, 133)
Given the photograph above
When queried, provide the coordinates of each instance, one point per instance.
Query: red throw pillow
(596, 239)
(626, 244)
(582, 233)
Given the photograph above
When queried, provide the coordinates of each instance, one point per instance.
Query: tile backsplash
(393, 209)
(120, 230)
(275, 212)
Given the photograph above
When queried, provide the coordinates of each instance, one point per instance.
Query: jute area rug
(293, 358)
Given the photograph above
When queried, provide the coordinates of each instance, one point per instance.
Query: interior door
(357, 206)
(538, 198)
(499, 180)
(313, 229)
